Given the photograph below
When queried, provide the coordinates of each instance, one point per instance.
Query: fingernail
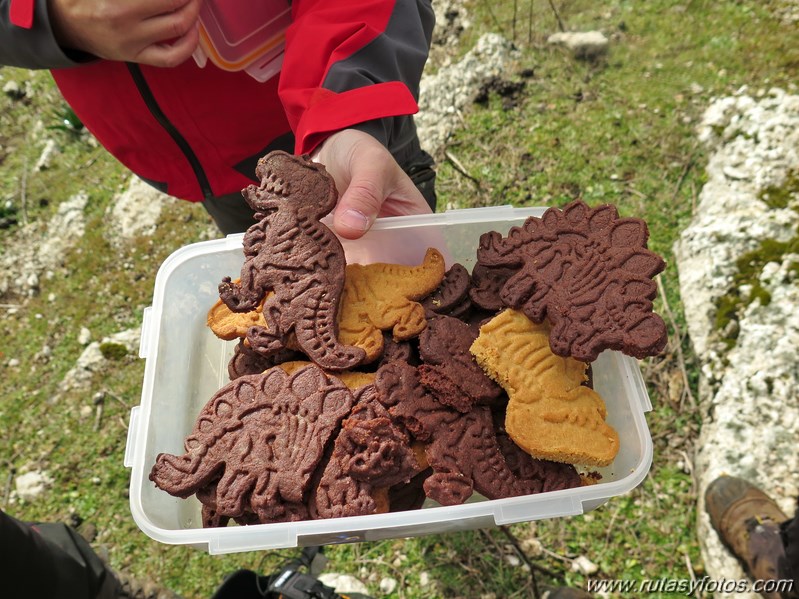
(354, 219)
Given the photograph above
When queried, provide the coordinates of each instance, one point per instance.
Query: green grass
(621, 130)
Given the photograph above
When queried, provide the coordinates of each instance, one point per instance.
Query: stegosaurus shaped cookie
(589, 272)
(257, 443)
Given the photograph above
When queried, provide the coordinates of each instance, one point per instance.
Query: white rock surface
(583, 44)
(49, 152)
(31, 485)
(80, 375)
(12, 88)
(32, 252)
(756, 137)
(85, 336)
(388, 585)
(584, 566)
(135, 211)
(445, 94)
(343, 583)
(452, 19)
(750, 405)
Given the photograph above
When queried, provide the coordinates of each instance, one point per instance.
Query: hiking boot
(748, 522)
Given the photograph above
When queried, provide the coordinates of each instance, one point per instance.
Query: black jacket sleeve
(34, 48)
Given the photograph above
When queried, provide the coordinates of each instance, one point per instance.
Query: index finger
(170, 54)
(146, 9)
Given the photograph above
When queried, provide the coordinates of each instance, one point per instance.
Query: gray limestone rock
(135, 211)
(444, 95)
(748, 392)
(586, 45)
(34, 251)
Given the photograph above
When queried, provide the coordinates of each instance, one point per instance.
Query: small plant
(66, 121)
(113, 351)
(8, 215)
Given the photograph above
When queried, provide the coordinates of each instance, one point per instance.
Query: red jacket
(198, 133)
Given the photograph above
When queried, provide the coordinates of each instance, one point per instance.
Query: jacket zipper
(158, 114)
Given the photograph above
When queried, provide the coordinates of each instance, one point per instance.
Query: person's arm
(353, 63)
(350, 82)
(30, 44)
(63, 33)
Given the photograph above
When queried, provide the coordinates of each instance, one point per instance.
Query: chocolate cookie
(369, 456)
(449, 371)
(405, 351)
(452, 296)
(589, 272)
(410, 495)
(461, 448)
(260, 438)
(289, 251)
(246, 361)
(544, 475)
(486, 285)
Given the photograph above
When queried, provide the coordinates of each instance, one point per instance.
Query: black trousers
(50, 561)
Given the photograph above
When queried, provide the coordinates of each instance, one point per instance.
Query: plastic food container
(240, 35)
(186, 364)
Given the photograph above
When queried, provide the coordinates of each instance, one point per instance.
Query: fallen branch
(460, 168)
(533, 567)
(557, 16)
(690, 568)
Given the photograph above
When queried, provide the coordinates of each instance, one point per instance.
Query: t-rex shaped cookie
(551, 414)
(376, 297)
(258, 440)
(586, 270)
(289, 251)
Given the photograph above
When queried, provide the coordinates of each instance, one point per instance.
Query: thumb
(361, 201)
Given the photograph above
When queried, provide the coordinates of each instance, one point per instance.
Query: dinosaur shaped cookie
(369, 456)
(290, 252)
(551, 414)
(586, 270)
(380, 297)
(462, 448)
(257, 443)
(377, 297)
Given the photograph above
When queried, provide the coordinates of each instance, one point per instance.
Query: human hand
(369, 181)
(156, 32)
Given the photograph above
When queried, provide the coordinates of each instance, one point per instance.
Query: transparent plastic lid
(240, 35)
